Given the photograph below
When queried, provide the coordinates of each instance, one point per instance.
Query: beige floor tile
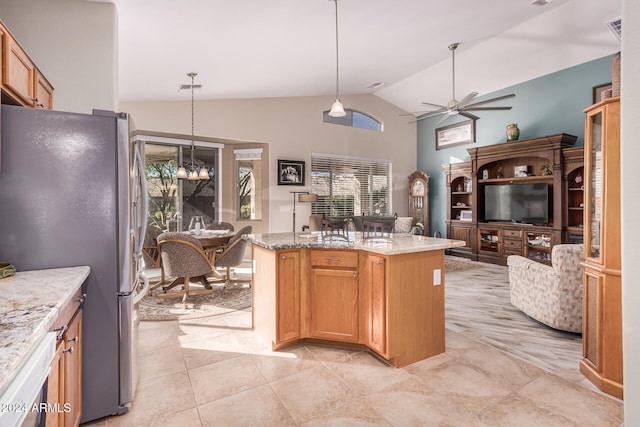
(151, 339)
(574, 401)
(163, 361)
(187, 418)
(210, 350)
(365, 374)
(336, 354)
(275, 365)
(410, 403)
(189, 332)
(510, 371)
(257, 406)
(156, 398)
(515, 410)
(311, 394)
(224, 378)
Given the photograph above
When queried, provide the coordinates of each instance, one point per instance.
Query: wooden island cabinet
(383, 294)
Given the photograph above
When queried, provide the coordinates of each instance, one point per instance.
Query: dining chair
(150, 251)
(183, 259)
(220, 226)
(377, 229)
(232, 255)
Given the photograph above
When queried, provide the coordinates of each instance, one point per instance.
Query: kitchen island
(384, 293)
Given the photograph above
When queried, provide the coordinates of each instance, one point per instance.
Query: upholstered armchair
(550, 294)
(232, 255)
(183, 259)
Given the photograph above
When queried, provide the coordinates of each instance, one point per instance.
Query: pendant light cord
(337, 73)
(192, 75)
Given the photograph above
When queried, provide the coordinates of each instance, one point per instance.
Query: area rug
(224, 300)
(453, 264)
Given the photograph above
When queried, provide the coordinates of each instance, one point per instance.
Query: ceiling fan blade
(469, 115)
(466, 100)
(443, 119)
(486, 108)
(498, 98)
(434, 105)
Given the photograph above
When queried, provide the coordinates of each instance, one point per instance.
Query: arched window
(354, 119)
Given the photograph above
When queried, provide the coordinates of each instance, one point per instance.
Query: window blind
(350, 185)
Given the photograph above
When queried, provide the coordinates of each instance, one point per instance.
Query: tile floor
(214, 371)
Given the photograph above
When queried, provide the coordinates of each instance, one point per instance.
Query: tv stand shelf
(549, 160)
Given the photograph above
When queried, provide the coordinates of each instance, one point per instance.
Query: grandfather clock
(419, 199)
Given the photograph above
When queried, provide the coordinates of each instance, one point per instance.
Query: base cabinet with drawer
(64, 385)
(390, 304)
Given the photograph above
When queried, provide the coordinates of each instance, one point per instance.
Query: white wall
(74, 44)
(630, 154)
(293, 128)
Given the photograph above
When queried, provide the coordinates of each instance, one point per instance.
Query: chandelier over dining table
(194, 172)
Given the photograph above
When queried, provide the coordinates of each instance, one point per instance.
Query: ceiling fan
(463, 106)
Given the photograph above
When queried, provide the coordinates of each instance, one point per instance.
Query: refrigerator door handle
(142, 213)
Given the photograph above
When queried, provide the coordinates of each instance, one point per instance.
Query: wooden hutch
(602, 299)
(549, 160)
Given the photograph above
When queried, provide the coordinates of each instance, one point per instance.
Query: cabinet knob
(378, 262)
(74, 339)
(354, 276)
(333, 259)
(68, 350)
(82, 298)
(283, 257)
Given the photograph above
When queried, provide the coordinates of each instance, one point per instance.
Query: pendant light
(337, 109)
(194, 173)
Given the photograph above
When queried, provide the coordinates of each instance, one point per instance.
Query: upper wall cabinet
(22, 83)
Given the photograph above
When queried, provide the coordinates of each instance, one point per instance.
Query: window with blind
(350, 186)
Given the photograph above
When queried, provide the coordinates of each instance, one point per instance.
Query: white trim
(248, 153)
(343, 157)
(175, 141)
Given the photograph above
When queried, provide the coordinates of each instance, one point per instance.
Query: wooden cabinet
(602, 298)
(64, 385)
(22, 82)
(460, 218)
(333, 295)
(392, 304)
(419, 199)
(548, 164)
(375, 303)
(288, 296)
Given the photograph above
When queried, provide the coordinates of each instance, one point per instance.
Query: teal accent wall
(543, 106)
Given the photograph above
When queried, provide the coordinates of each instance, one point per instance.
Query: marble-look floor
(499, 369)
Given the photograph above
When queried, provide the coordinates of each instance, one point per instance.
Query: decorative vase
(513, 133)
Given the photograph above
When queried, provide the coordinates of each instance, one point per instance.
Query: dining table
(212, 242)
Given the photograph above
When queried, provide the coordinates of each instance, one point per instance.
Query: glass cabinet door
(595, 184)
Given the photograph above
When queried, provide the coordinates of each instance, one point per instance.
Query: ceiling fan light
(337, 109)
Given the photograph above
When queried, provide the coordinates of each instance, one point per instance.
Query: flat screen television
(526, 203)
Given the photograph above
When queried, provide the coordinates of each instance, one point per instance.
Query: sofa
(550, 294)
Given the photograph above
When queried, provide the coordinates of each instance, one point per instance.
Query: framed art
(290, 172)
(456, 134)
(602, 92)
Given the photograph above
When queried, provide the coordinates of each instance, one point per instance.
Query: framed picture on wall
(290, 172)
(602, 92)
(456, 134)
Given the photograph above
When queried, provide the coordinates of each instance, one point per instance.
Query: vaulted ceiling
(283, 48)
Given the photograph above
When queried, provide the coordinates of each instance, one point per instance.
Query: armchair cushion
(550, 294)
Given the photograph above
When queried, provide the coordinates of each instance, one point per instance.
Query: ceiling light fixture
(194, 172)
(337, 109)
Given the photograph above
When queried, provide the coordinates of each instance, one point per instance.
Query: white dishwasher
(25, 392)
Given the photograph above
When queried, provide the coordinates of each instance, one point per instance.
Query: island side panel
(415, 307)
(263, 292)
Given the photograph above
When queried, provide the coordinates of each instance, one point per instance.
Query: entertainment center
(516, 198)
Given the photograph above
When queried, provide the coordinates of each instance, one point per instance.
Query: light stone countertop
(390, 244)
(30, 303)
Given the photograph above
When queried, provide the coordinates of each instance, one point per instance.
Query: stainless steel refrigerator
(72, 193)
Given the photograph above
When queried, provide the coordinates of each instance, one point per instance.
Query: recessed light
(375, 85)
(540, 2)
